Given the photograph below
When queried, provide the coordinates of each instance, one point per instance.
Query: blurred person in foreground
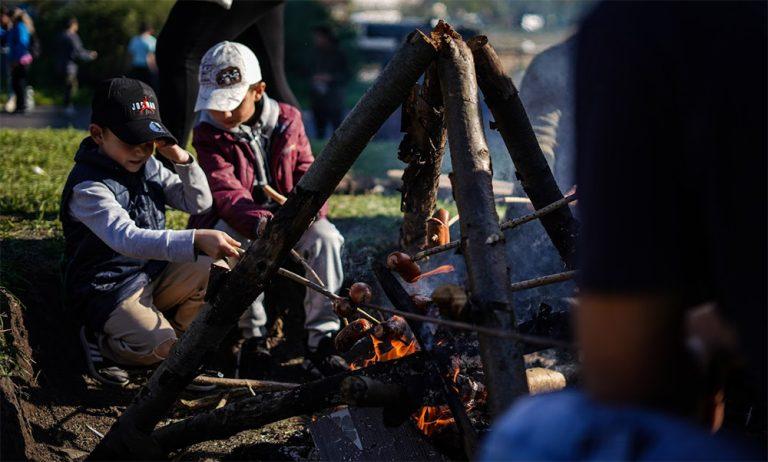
(70, 53)
(330, 73)
(672, 180)
(142, 50)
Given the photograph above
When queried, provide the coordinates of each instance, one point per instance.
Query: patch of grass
(374, 161)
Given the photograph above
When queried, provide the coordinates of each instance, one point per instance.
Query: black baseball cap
(129, 108)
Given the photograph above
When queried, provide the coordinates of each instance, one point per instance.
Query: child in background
(136, 285)
(246, 141)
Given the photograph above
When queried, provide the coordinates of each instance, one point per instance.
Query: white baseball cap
(227, 70)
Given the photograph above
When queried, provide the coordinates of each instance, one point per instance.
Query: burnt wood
(403, 302)
(409, 375)
(422, 148)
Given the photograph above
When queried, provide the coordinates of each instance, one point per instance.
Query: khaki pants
(321, 247)
(156, 314)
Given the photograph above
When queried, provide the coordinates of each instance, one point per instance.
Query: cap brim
(142, 130)
(221, 99)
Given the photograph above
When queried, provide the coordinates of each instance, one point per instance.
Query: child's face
(131, 157)
(243, 112)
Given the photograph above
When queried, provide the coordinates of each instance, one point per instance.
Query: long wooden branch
(409, 372)
(261, 385)
(531, 167)
(473, 190)
(128, 437)
(422, 148)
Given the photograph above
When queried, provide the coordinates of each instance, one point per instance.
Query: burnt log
(402, 301)
(129, 436)
(531, 166)
(481, 237)
(422, 148)
(408, 375)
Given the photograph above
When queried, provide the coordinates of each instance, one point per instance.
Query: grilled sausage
(349, 335)
(360, 292)
(404, 265)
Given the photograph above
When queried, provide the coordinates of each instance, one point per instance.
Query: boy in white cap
(246, 141)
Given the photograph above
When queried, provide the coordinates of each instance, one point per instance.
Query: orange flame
(432, 419)
(386, 351)
(429, 419)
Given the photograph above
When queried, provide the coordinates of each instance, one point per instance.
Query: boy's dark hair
(144, 27)
(71, 21)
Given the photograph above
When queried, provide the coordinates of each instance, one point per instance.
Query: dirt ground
(52, 410)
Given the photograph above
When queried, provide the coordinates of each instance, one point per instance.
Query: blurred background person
(330, 73)
(194, 27)
(141, 49)
(5, 68)
(70, 53)
(20, 49)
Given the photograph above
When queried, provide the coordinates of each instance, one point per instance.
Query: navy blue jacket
(96, 278)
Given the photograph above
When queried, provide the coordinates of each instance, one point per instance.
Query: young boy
(245, 141)
(116, 266)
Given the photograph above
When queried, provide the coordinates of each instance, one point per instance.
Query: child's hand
(216, 244)
(172, 152)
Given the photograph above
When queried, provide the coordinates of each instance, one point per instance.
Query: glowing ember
(429, 419)
(432, 419)
(384, 350)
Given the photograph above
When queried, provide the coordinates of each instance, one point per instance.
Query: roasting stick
(297, 257)
(509, 224)
(280, 199)
(318, 288)
(543, 281)
(525, 338)
(532, 339)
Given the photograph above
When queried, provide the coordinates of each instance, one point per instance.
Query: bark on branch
(422, 148)
(473, 191)
(531, 167)
(129, 436)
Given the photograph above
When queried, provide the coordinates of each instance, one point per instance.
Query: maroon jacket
(228, 163)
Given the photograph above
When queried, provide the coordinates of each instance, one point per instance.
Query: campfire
(430, 420)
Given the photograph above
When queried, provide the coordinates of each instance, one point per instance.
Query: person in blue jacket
(20, 55)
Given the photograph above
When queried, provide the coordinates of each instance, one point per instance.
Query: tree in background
(105, 25)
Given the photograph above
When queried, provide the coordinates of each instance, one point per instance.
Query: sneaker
(30, 98)
(253, 360)
(10, 105)
(99, 368)
(325, 360)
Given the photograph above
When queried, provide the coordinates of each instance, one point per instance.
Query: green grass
(35, 164)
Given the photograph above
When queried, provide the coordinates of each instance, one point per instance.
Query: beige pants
(156, 314)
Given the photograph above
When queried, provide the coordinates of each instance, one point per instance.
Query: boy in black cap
(135, 284)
